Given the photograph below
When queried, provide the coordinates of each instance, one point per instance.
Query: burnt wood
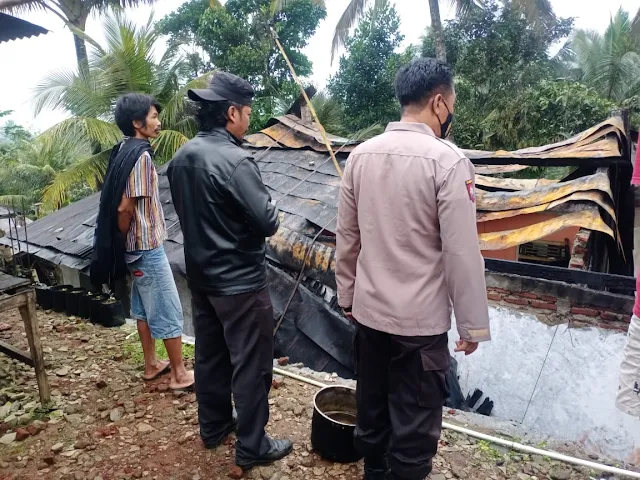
(594, 280)
(16, 353)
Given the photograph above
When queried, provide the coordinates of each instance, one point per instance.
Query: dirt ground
(106, 423)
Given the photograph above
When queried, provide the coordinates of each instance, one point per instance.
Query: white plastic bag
(628, 399)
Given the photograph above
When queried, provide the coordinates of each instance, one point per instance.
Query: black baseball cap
(224, 86)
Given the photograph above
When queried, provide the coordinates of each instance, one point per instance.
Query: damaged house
(577, 231)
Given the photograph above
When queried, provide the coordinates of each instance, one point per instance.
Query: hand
(467, 347)
(348, 314)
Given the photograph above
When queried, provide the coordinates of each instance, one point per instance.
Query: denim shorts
(154, 296)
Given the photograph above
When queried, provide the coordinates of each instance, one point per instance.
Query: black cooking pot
(96, 303)
(333, 423)
(84, 309)
(44, 297)
(60, 297)
(111, 313)
(73, 301)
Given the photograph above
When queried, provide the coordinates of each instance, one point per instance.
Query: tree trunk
(438, 32)
(77, 12)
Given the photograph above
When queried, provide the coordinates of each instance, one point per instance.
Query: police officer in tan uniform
(407, 255)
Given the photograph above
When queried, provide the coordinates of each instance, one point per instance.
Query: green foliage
(609, 63)
(555, 109)
(132, 350)
(508, 94)
(125, 63)
(364, 83)
(236, 38)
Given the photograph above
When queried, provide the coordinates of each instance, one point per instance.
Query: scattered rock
(57, 448)
(48, 460)
(8, 438)
(82, 444)
(277, 381)
(5, 410)
(115, 415)
(560, 474)
(100, 384)
(62, 372)
(145, 428)
(74, 419)
(4, 327)
(235, 472)
(282, 361)
(22, 434)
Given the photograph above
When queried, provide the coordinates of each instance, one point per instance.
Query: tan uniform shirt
(407, 241)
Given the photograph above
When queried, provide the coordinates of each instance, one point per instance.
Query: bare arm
(126, 210)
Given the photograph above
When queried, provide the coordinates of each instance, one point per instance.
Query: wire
(540, 374)
(300, 274)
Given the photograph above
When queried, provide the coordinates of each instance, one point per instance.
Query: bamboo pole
(325, 139)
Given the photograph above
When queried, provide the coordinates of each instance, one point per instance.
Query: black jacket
(107, 258)
(225, 212)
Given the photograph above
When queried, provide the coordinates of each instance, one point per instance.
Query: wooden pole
(323, 133)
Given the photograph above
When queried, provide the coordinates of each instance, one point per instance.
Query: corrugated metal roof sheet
(13, 28)
(305, 185)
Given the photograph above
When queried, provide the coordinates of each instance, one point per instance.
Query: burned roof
(13, 28)
(302, 179)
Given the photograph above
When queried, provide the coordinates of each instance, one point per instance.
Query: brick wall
(580, 254)
(557, 311)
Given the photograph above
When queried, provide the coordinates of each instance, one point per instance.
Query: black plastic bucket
(111, 313)
(84, 309)
(73, 301)
(44, 297)
(96, 304)
(333, 424)
(60, 297)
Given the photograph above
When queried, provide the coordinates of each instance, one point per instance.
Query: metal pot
(73, 301)
(333, 424)
(60, 297)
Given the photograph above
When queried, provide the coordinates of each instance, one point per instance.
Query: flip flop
(187, 389)
(162, 372)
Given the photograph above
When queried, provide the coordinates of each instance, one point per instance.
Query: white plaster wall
(575, 397)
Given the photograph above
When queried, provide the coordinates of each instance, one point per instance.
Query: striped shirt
(148, 230)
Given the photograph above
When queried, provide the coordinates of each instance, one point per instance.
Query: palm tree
(610, 62)
(536, 11)
(74, 14)
(125, 64)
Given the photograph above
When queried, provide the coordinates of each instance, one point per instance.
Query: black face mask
(445, 128)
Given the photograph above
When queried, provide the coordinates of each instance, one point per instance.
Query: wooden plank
(594, 280)
(12, 301)
(16, 353)
(8, 282)
(28, 313)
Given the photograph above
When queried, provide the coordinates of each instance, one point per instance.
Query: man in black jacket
(226, 212)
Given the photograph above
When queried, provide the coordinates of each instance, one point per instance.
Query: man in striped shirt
(155, 303)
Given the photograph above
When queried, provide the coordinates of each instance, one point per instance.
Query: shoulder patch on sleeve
(471, 190)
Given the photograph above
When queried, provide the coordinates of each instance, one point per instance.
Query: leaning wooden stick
(309, 104)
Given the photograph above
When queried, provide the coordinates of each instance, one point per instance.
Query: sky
(24, 62)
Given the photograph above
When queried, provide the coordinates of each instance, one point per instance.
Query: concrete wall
(575, 397)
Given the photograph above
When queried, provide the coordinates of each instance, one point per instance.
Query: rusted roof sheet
(13, 28)
(602, 141)
(575, 201)
(499, 201)
(512, 183)
(586, 218)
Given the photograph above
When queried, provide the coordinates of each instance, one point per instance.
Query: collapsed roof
(303, 181)
(13, 28)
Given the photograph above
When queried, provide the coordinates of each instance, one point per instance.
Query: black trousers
(234, 353)
(401, 390)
